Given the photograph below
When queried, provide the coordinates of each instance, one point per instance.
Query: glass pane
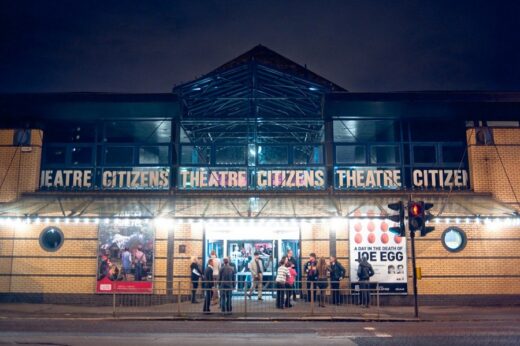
(153, 155)
(452, 153)
(351, 154)
(307, 154)
(195, 155)
(424, 154)
(154, 131)
(69, 132)
(384, 154)
(453, 239)
(272, 155)
(81, 155)
(119, 156)
(289, 132)
(230, 155)
(426, 130)
(352, 131)
(55, 155)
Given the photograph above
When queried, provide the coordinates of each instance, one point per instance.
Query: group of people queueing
(219, 280)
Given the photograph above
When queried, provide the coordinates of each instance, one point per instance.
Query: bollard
(179, 298)
(377, 298)
(114, 304)
(312, 297)
(245, 304)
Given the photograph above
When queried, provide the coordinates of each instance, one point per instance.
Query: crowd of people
(219, 280)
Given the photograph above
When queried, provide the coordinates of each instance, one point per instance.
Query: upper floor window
(146, 131)
(355, 131)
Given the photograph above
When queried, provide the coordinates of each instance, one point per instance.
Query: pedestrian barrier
(225, 299)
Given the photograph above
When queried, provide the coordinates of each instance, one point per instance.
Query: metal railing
(276, 300)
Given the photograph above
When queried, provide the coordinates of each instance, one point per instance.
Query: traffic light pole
(416, 306)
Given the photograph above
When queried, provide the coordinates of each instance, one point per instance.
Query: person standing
(294, 265)
(196, 274)
(226, 284)
(289, 285)
(312, 276)
(140, 263)
(281, 278)
(364, 273)
(216, 271)
(207, 284)
(126, 263)
(321, 283)
(337, 272)
(256, 267)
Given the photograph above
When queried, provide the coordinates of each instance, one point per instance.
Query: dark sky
(148, 46)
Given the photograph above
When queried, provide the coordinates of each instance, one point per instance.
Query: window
(230, 155)
(22, 137)
(54, 155)
(51, 239)
(81, 155)
(66, 132)
(352, 131)
(380, 154)
(151, 131)
(307, 154)
(119, 155)
(153, 155)
(272, 155)
(192, 154)
(454, 239)
(452, 153)
(424, 154)
(353, 154)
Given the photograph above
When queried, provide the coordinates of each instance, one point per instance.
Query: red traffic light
(415, 209)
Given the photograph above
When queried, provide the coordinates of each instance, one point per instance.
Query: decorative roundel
(384, 226)
(358, 238)
(371, 238)
(454, 239)
(385, 238)
(358, 227)
(397, 239)
(51, 239)
(371, 226)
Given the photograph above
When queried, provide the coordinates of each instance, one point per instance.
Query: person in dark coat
(312, 276)
(337, 272)
(226, 283)
(364, 273)
(207, 284)
(196, 275)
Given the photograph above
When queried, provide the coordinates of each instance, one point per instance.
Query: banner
(385, 251)
(125, 259)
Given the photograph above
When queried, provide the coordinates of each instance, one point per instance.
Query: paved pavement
(299, 312)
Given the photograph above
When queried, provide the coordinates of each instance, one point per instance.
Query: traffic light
(427, 217)
(418, 215)
(398, 218)
(415, 215)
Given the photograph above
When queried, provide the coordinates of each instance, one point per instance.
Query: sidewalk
(168, 312)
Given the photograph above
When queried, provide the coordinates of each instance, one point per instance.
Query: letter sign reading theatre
(208, 178)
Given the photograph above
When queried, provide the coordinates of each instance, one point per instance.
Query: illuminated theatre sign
(110, 179)
(207, 178)
(374, 178)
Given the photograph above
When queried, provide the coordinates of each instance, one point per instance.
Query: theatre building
(259, 155)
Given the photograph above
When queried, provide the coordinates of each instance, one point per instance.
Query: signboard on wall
(385, 251)
(357, 178)
(198, 178)
(125, 259)
(136, 178)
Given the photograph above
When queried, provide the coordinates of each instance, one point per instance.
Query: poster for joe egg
(385, 251)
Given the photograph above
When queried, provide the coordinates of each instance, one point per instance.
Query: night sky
(149, 46)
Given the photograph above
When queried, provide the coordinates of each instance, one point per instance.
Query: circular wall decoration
(51, 239)
(454, 239)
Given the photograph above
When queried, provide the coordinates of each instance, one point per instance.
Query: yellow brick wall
(487, 174)
(19, 166)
